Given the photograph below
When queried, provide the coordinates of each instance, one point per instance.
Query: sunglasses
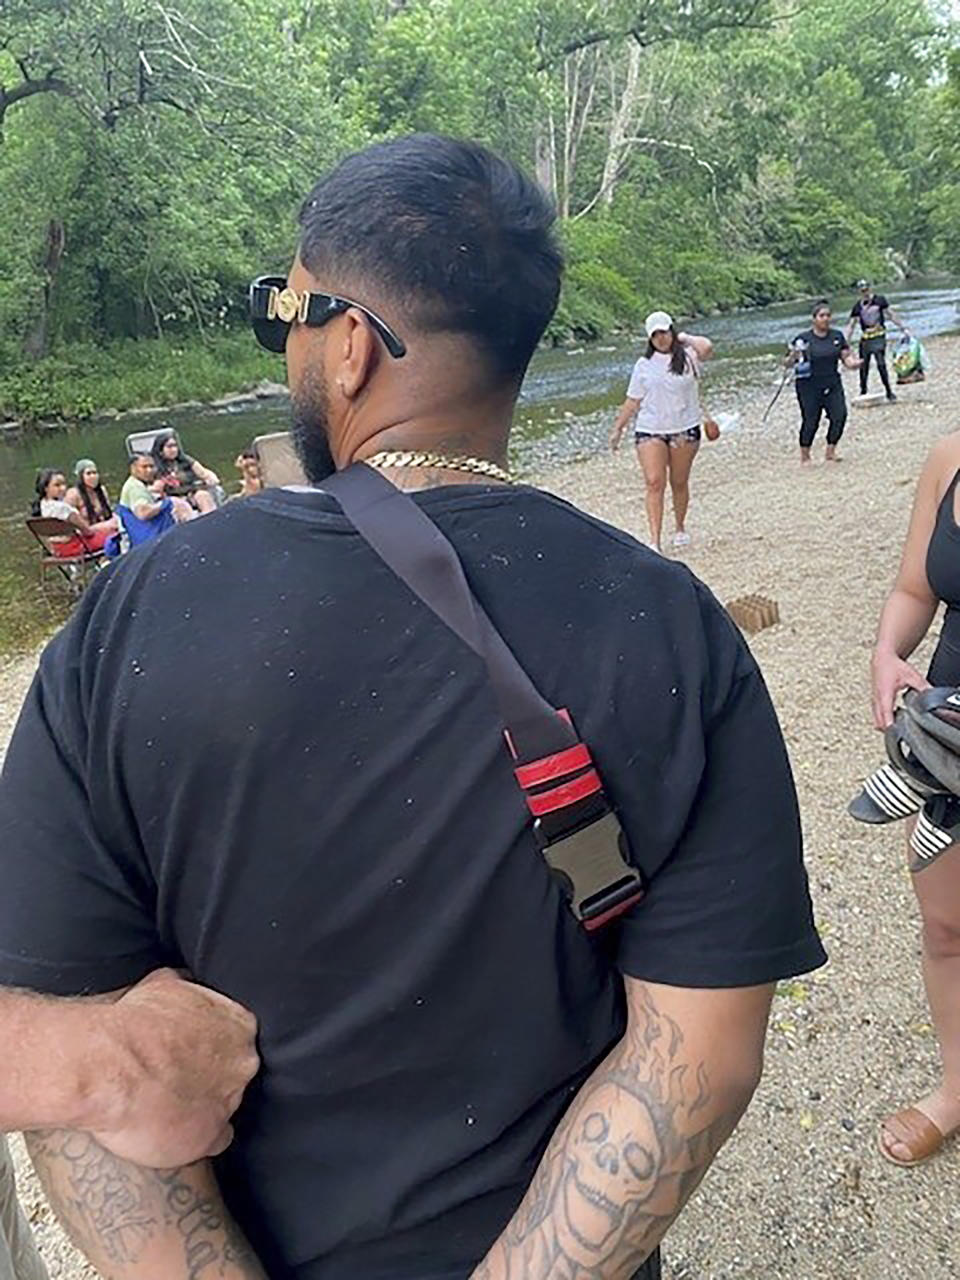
(274, 307)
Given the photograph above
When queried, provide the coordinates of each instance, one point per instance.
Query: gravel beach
(800, 1192)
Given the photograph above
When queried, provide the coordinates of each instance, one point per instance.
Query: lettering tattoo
(116, 1212)
(624, 1160)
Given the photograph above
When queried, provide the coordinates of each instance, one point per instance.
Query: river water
(564, 410)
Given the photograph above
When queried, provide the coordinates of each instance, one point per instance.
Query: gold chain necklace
(438, 462)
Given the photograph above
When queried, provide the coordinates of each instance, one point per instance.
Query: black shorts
(672, 439)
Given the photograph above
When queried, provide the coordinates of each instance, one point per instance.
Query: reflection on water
(564, 409)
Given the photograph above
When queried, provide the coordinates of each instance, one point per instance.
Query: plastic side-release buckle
(579, 834)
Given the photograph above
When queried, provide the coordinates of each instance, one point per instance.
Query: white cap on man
(657, 321)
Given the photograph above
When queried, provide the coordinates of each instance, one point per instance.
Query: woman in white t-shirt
(664, 397)
(51, 501)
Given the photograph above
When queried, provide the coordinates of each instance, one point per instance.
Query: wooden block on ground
(754, 613)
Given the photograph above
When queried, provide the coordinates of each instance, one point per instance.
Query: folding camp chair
(142, 442)
(77, 570)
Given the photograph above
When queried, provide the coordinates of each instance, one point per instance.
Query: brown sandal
(913, 1130)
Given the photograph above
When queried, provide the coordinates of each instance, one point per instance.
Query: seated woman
(182, 475)
(89, 496)
(51, 489)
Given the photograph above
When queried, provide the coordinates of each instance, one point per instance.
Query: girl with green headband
(89, 496)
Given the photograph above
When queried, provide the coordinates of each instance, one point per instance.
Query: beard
(311, 427)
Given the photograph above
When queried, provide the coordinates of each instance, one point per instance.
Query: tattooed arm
(139, 1224)
(638, 1137)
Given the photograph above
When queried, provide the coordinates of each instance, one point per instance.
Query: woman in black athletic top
(929, 575)
(816, 355)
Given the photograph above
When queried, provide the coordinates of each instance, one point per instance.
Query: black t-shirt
(252, 752)
(824, 353)
(872, 315)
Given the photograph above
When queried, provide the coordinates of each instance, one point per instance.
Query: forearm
(138, 1224)
(626, 414)
(634, 1144)
(905, 620)
(147, 510)
(56, 1070)
(702, 346)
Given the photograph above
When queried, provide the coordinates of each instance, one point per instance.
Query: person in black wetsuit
(870, 311)
(929, 575)
(815, 355)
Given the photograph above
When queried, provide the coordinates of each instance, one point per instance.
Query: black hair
(163, 464)
(460, 239)
(679, 360)
(140, 453)
(93, 515)
(44, 476)
(820, 304)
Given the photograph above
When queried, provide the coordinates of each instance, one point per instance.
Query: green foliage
(82, 378)
(768, 149)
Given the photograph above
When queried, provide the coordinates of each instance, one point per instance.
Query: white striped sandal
(937, 830)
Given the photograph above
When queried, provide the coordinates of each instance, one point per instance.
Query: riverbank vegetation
(704, 154)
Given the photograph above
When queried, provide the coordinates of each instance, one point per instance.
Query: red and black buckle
(579, 833)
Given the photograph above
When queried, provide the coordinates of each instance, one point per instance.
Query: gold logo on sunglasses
(286, 305)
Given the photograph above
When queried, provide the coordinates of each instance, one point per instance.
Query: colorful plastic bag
(910, 361)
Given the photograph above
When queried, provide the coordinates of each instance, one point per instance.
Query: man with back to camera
(870, 312)
(458, 1079)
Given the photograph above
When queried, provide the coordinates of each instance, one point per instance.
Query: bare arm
(895, 317)
(850, 360)
(702, 346)
(638, 1137)
(54, 1059)
(156, 1073)
(204, 474)
(79, 520)
(148, 510)
(911, 605)
(138, 1224)
(627, 413)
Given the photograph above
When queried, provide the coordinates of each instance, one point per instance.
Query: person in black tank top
(929, 576)
(943, 575)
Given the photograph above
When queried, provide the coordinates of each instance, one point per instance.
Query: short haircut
(139, 456)
(461, 239)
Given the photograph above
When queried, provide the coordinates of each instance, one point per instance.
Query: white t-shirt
(58, 509)
(669, 402)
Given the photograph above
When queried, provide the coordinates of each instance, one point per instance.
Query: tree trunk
(620, 125)
(545, 155)
(37, 341)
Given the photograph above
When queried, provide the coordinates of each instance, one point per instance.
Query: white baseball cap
(656, 321)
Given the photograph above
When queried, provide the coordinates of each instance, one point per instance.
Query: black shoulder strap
(408, 541)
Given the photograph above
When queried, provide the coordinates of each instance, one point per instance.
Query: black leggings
(816, 398)
(875, 347)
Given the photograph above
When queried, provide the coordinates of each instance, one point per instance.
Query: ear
(355, 360)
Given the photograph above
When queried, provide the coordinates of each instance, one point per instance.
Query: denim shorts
(674, 439)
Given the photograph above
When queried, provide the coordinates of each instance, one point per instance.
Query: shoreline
(250, 392)
(800, 1191)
